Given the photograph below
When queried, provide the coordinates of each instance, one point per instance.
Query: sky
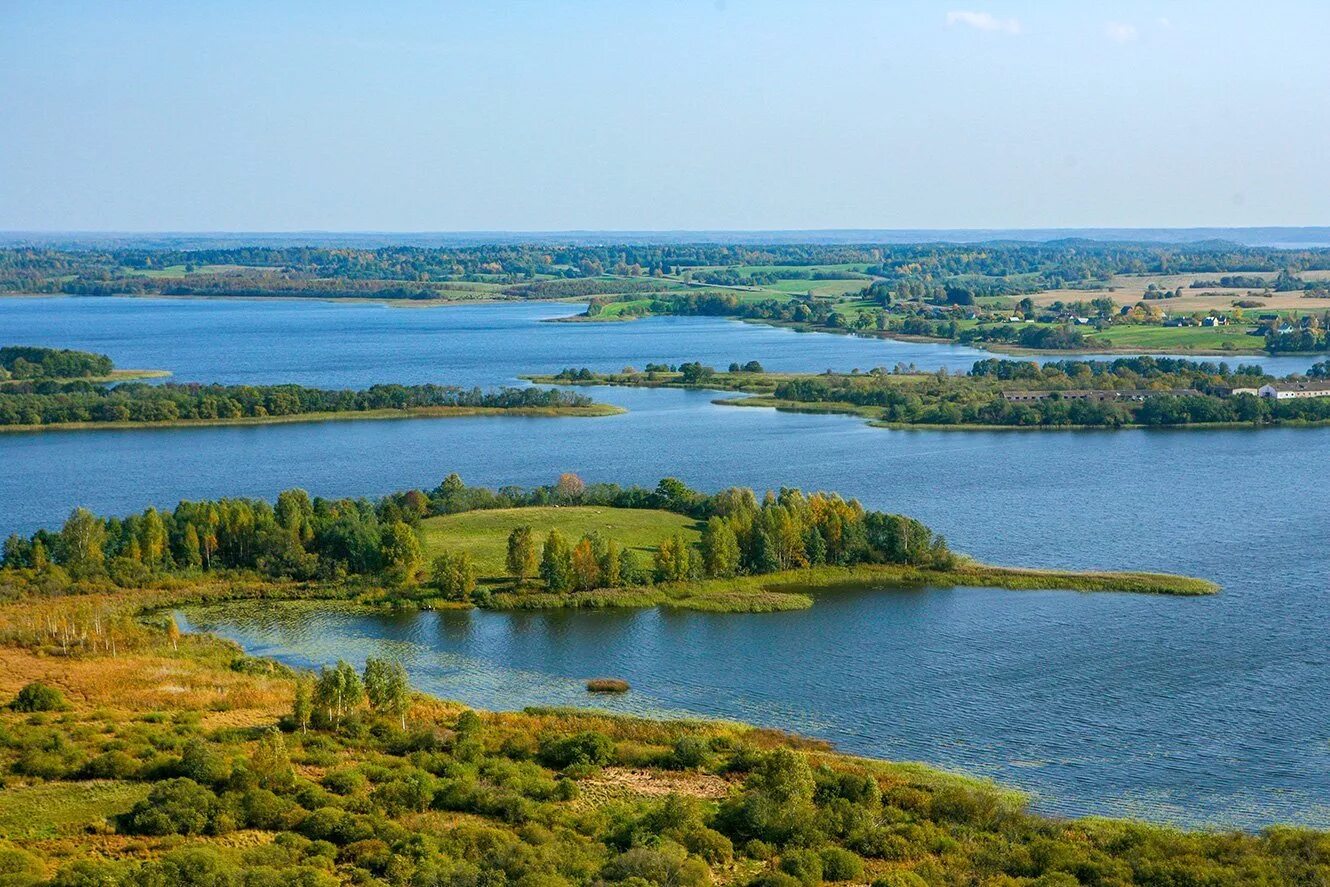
(642, 115)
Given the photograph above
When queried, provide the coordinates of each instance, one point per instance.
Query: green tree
(271, 762)
(672, 559)
(302, 707)
(522, 558)
(191, 553)
(387, 688)
(556, 563)
(337, 692)
(295, 514)
(611, 565)
(82, 541)
(454, 575)
(400, 553)
(720, 549)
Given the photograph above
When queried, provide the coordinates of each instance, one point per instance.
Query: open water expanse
(1197, 710)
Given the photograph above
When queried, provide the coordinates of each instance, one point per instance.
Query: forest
(26, 362)
(1129, 391)
(304, 538)
(50, 403)
(401, 272)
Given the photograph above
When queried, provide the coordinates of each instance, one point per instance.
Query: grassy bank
(346, 416)
(168, 760)
(796, 589)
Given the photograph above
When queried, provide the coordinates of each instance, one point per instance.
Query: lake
(1201, 711)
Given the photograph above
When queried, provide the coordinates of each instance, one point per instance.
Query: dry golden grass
(656, 783)
(1130, 289)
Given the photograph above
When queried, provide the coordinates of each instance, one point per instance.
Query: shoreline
(592, 411)
(755, 397)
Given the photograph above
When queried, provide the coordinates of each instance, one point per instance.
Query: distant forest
(535, 270)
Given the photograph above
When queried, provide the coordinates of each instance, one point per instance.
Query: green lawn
(50, 809)
(1197, 337)
(484, 534)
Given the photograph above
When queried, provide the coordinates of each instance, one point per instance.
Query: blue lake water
(1211, 710)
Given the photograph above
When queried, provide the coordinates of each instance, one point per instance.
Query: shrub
(805, 866)
(774, 879)
(175, 807)
(37, 696)
(689, 753)
(203, 765)
(111, 765)
(587, 747)
(839, 864)
(900, 879)
(19, 867)
(666, 864)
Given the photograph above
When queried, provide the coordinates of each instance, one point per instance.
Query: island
(569, 544)
(134, 753)
(62, 398)
(21, 364)
(1127, 392)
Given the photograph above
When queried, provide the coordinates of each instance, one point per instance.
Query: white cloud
(1120, 32)
(984, 21)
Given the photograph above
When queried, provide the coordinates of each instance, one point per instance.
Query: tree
(387, 688)
(400, 553)
(569, 487)
(337, 691)
(720, 549)
(522, 558)
(302, 707)
(556, 563)
(81, 543)
(152, 538)
(271, 762)
(586, 568)
(191, 554)
(672, 559)
(295, 514)
(454, 575)
(611, 565)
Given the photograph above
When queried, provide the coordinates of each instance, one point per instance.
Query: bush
(175, 807)
(587, 747)
(900, 879)
(774, 879)
(667, 864)
(689, 753)
(38, 697)
(839, 864)
(805, 866)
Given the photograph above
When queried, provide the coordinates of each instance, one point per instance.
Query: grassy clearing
(1232, 338)
(52, 809)
(600, 409)
(484, 534)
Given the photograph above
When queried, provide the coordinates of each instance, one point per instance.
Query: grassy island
(1120, 393)
(68, 390)
(565, 545)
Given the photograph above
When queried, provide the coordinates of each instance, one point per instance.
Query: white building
(1290, 390)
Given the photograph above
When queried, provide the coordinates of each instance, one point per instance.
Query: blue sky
(661, 115)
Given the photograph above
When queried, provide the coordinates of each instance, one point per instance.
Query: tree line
(29, 362)
(978, 399)
(52, 403)
(306, 538)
